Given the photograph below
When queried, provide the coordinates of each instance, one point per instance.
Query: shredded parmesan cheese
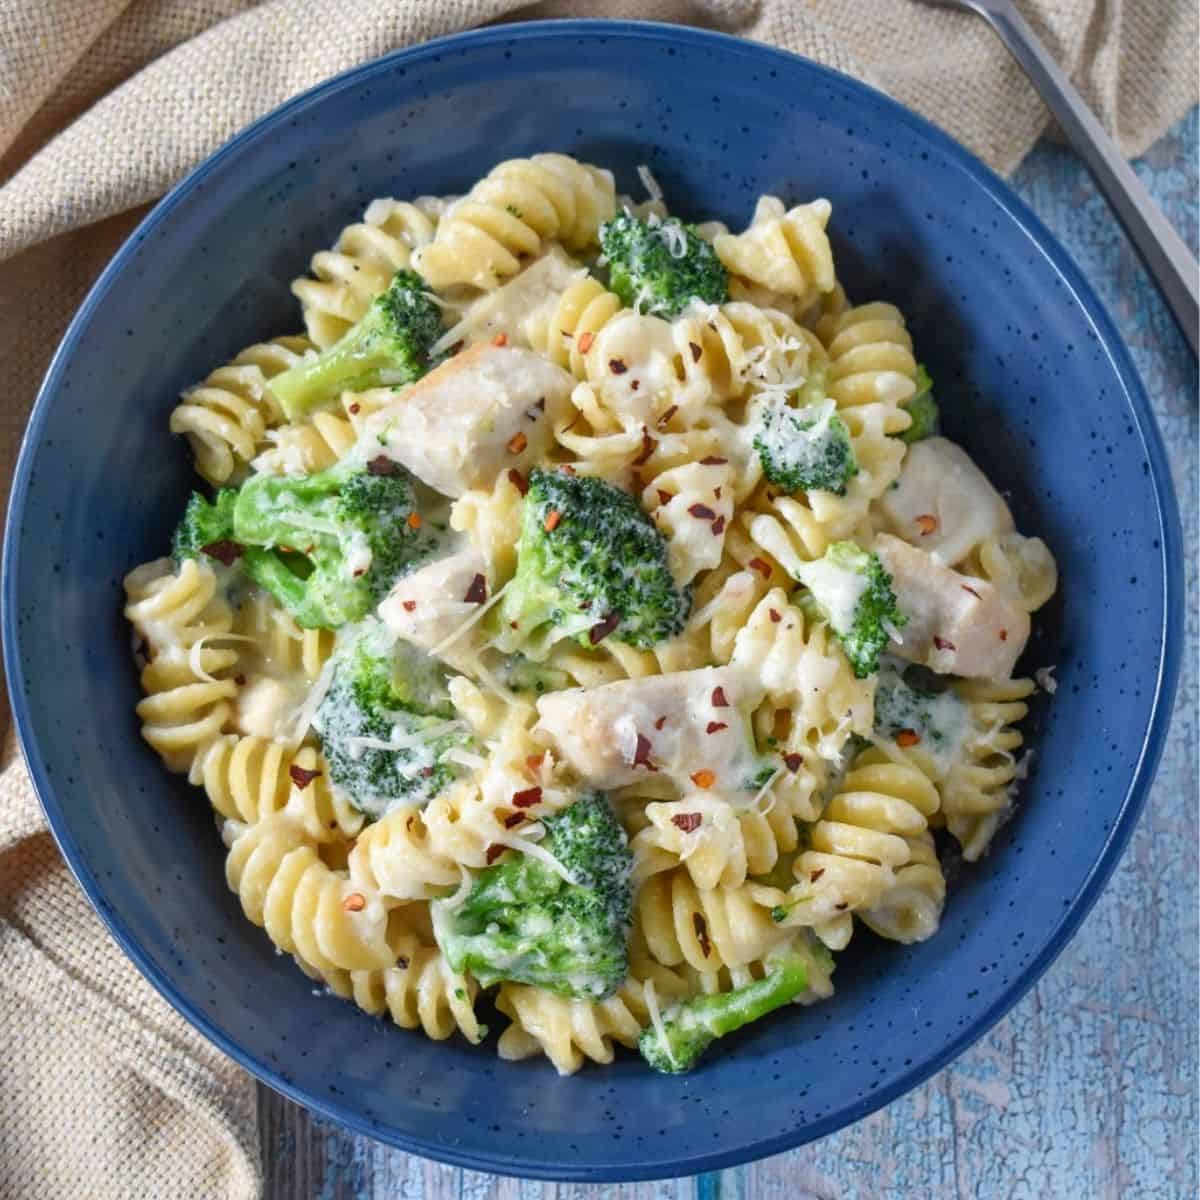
(651, 997)
(313, 701)
(473, 619)
(649, 182)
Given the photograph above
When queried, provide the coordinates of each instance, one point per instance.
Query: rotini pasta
(598, 677)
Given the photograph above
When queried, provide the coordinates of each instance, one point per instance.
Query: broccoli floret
(659, 266)
(590, 565)
(389, 346)
(804, 449)
(394, 696)
(923, 408)
(690, 1027)
(523, 921)
(334, 542)
(854, 594)
(206, 526)
(937, 716)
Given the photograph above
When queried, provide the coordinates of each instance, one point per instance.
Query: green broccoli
(590, 564)
(389, 346)
(659, 266)
(923, 408)
(333, 542)
(690, 1027)
(854, 594)
(937, 716)
(385, 724)
(804, 449)
(523, 921)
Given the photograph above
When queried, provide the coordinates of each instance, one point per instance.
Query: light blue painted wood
(1088, 1088)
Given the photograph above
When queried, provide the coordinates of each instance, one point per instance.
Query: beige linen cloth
(104, 104)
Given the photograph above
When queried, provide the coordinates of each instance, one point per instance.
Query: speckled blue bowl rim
(1165, 686)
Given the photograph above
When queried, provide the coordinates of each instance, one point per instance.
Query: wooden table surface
(1088, 1088)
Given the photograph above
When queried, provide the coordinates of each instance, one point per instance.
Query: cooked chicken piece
(687, 724)
(485, 410)
(429, 605)
(957, 625)
(943, 502)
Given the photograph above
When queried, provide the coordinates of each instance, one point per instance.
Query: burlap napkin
(104, 104)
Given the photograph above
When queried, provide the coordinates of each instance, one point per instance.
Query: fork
(1170, 264)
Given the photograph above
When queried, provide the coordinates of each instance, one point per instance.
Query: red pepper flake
(586, 338)
(501, 339)
(664, 497)
(300, 777)
(775, 615)
(550, 524)
(634, 384)
(702, 512)
(971, 590)
(942, 644)
(715, 727)
(457, 347)
(402, 963)
(408, 605)
(816, 875)
(426, 772)
(641, 753)
(382, 465)
(513, 820)
(527, 797)
(534, 762)
(688, 822)
(907, 737)
(696, 351)
(517, 443)
(701, 927)
(927, 523)
(602, 629)
(518, 480)
(660, 722)
(493, 852)
(225, 551)
(792, 762)
(355, 902)
(414, 520)
(648, 445)
(718, 526)
(477, 592)
(355, 409)
(240, 680)
(616, 366)
(718, 698)
(1004, 635)
(665, 419)
(704, 778)
(359, 571)
(713, 460)
(761, 566)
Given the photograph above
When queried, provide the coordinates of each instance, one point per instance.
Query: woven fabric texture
(104, 1091)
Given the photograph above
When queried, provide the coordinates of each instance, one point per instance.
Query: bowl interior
(1031, 378)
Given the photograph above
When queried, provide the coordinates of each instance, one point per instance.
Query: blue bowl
(1034, 381)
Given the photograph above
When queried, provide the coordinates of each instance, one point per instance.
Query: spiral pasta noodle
(510, 213)
(361, 264)
(306, 908)
(784, 251)
(911, 909)
(226, 417)
(871, 361)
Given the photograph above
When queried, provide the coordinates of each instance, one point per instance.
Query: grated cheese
(312, 702)
(649, 182)
(473, 619)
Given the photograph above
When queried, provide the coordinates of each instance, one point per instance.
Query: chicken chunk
(943, 502)
(957, 625)
(428, 606)
(485, 410)
(686, 724)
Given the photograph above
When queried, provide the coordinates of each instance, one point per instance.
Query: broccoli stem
(689, 1028)
(309, 385)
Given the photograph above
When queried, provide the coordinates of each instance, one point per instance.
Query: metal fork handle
(1169, 262)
